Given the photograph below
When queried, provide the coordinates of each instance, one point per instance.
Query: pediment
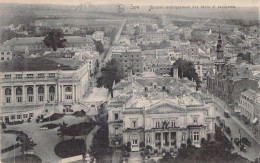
(165, 108)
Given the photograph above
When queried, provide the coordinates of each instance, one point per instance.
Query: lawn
(7, 140)
(53, 117)
(25, 158)
(79, 129)
(70, 148)
(50, 126)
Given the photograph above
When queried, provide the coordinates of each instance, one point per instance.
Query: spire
(219, 36)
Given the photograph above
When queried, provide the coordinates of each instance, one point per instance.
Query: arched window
(68, 89)
(29, 90)
(41, 89)
(51, 89)
(8, 91)
(19, 91)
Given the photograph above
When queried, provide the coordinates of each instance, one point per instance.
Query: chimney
(175, 72)
(239, 60)
(129, 75)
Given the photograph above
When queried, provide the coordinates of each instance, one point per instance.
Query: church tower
(220, 62)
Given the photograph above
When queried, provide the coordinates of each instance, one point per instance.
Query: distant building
(130, 59)
(229, 80)
(69, 30)
(6, 54)
(249, 105)
(98, 36)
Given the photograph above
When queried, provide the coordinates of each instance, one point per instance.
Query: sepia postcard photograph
(129, 81)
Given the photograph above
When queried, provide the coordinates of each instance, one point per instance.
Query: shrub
(3, 125)
(142, 145)
(149, 147)
(15, 122)
(189, 142)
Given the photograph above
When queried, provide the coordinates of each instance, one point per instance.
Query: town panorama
(126, 83)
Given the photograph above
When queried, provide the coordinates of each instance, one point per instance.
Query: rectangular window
(134, 124)
(30, 98)
(25, 116)
(116, 116)
(173, 123)
(116, 130)
(7, 76)
(19, 76)
(31, 115)
(13, 117)
(68, 97)
(8, 100)
(29, 75)
(157, 124)
(51, 75)
(196, 136)
(40, 98)
(195, 121)
(157, 136)
(41, 75)
(19, 99)
(19, 116)
(134, 142)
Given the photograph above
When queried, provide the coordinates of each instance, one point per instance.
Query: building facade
(249, 105)
(62, 83)
(158, 112)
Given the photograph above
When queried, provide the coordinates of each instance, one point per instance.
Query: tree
(186, 69)
(54, 39)
(99, 46)
(137, 30)
(62, 130)
(6, 34)
(111, 73)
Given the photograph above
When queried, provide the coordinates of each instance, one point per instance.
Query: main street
(252, 152)
(117, 36)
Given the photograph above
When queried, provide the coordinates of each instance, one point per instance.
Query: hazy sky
(238, 3)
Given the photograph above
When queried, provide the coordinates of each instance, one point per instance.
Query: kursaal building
(41, 86)
(159, 111)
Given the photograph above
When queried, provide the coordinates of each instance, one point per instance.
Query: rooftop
(39, 64)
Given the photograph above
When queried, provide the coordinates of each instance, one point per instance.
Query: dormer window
(173, 123)
(195, 120)
(134, 124)
(157, 124)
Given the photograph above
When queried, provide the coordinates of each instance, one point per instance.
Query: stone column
(45, 93)
(76, 93)
(62, 94)
(161, 140)
(170, 140)
(1, 95)
(13, 95)
(24, 95)
(35, 93)
(56, 93)
(73, 93)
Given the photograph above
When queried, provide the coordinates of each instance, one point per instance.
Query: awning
(254, 121)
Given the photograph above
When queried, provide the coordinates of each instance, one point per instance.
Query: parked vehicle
(226, 114)
(246, 141)
(236, 141)
(243, 148)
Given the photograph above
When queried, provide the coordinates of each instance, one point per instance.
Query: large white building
(162, 112)
(26, 85)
